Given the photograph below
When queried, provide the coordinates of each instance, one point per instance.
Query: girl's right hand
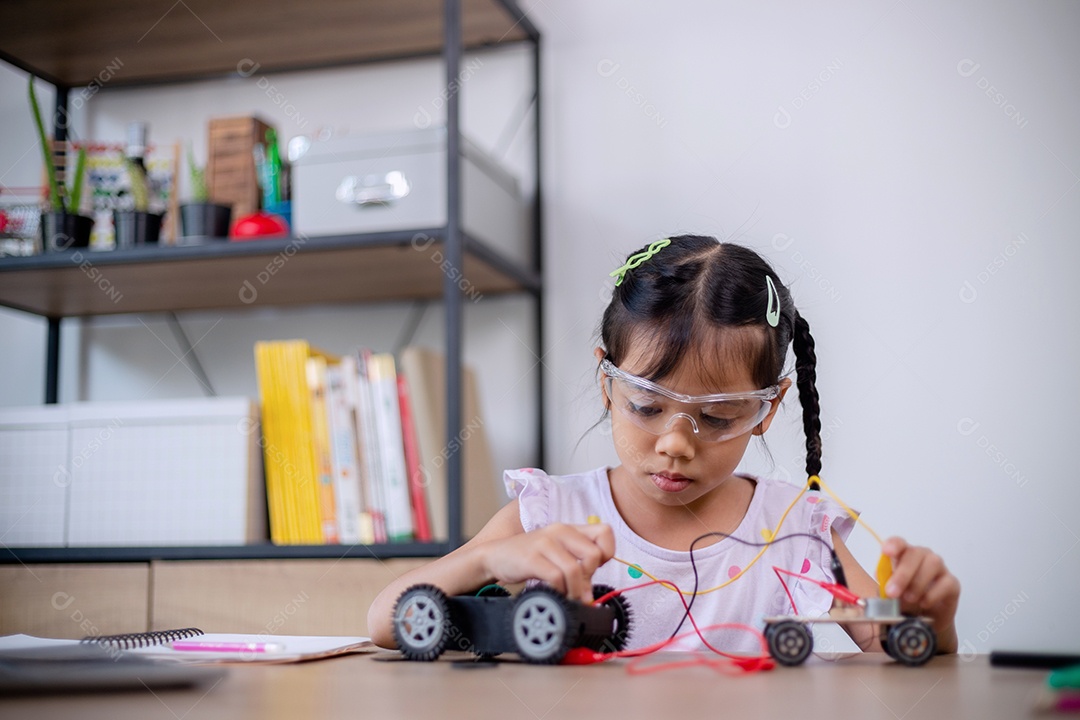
(563, 556)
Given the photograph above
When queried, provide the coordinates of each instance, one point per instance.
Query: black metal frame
(52, 349)
(259, 551)
(455, 242)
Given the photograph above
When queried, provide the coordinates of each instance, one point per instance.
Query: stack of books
(355, 447)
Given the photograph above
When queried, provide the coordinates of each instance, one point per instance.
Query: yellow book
(306, 477)
(266, 374)
(287, 443)
(289, 451)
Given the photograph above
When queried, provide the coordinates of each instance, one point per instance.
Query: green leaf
(75, 197)
(55, 195)
(197, 175)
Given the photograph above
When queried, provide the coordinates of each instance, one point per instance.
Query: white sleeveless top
(656, 610)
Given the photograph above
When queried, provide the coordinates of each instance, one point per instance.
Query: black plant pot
(63, 231)
(135, 228)
(205, 219)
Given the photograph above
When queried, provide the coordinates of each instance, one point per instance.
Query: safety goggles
(656, 409)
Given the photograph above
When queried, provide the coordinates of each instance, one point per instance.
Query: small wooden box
(230, 171)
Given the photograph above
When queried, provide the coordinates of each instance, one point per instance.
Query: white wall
(927, 230)
(929, 238)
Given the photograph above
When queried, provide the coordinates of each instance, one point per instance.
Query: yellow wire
(854, 515)
(884, 566)
(741, 572)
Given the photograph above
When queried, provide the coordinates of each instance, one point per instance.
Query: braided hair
(697, 299)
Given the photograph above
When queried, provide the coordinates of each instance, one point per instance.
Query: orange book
(321, 442)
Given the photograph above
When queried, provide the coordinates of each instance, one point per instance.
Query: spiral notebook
(130, 641)
(194, 646)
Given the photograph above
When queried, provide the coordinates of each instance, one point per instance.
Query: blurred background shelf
(73, 45)
(262, 551)
(234, 275)
(71, 42)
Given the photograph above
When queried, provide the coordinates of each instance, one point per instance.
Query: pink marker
(237, 647)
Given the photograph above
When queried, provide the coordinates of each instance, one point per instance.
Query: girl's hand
(563, 556)
(925, 587)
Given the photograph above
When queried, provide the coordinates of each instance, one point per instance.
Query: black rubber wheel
(620, 634)
(421, 621)
(540, 624)
(911, 642)
(886, 641)
(790, 642)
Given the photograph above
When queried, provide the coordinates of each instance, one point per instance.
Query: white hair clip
(772, 311)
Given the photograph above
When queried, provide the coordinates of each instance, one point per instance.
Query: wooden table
(380, 686)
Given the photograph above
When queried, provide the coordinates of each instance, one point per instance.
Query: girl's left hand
(925, 587)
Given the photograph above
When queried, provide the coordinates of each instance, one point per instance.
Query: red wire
(727, 662)
(746, 663)
(837, 591)
(741, 663)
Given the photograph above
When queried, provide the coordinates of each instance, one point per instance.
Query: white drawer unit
(397, 181)
(146, 473)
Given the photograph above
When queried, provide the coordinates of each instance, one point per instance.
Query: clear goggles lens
(711, 417)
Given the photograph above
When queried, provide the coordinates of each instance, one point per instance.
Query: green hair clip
(636, 260)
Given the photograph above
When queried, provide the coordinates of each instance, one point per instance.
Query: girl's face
(677, 467)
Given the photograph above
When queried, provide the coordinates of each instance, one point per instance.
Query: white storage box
(152, 473)
(397, 181)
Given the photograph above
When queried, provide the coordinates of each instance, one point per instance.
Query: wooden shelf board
(119, 42)
(245, 275)
(263, 551)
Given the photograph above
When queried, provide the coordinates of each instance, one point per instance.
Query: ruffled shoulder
(824, 517)
(532, 488)
(828, 515)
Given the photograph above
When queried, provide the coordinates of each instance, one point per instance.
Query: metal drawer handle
(373, 190)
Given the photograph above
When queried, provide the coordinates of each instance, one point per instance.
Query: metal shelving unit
(338, 269)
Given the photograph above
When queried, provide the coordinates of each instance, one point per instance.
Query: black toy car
(539, 624)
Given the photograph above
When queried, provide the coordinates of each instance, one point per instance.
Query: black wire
(721, 534)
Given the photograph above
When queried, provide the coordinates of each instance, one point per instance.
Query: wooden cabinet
(276, 597)
(74, 600)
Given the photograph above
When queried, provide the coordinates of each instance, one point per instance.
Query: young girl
(690, 369)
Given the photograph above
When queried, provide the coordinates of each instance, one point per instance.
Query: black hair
(697, 298)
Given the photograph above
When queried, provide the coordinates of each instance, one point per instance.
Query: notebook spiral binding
(127, 641)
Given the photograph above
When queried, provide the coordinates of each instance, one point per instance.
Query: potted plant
(62, 227)
(200, 217)
(137, 226)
